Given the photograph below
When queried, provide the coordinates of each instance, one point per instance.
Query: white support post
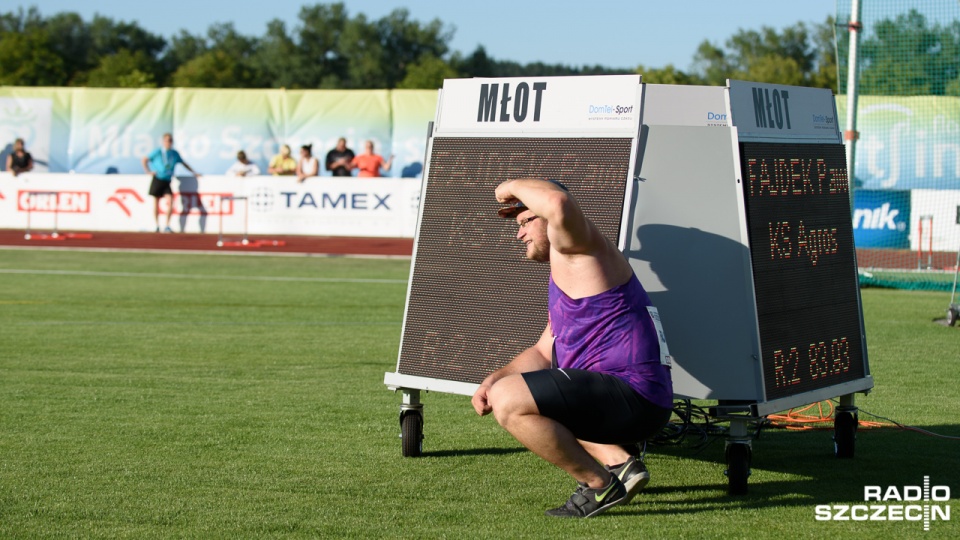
(850, 135)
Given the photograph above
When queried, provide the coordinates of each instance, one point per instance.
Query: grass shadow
(474, 452)
(883, 457)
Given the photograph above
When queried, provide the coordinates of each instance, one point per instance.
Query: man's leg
(156, 211)
(169, 198)
(515, 410)
(630, 470)
(607, 454)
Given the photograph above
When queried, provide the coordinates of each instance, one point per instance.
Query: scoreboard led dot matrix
(804, 268)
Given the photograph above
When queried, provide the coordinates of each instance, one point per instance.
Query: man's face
(167, 142)
(18, 145)
(532, 231)
(341, 145)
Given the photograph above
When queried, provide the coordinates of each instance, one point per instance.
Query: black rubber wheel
(845, 434)
(411, 434)
(952, 317)
(738, 468)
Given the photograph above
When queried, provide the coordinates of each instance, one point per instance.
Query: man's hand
(503, 193)
(479, 400)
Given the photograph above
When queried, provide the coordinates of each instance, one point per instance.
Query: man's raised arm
(568, 229)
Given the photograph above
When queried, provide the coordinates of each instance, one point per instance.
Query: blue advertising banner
(881, 219)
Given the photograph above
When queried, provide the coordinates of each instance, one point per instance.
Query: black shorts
(159, 188)
(594, 406)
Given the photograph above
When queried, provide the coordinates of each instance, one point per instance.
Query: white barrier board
(941, 208)
(324, 206)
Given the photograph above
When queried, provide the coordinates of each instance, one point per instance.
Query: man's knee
(510, 396)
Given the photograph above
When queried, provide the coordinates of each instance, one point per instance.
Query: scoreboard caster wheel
(411, 434)
(738, 468)
(952, 315)
(845, 434)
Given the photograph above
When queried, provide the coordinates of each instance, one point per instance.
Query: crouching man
(598, 378)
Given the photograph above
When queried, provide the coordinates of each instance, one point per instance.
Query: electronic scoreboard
(732, 205)
(804, 265)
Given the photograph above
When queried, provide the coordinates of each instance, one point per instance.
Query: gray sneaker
(587, 502)
(634, 475)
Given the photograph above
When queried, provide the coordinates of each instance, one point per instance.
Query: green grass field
(199, 396)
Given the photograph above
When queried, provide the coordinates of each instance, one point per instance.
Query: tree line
(329, 48)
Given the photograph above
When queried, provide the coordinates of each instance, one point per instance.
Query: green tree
(953, 88)
(27, 59)
(427, 72)
(403, 42)
(212, 69)
(71, 40)
(21, 21)
(796, 55)
(110, 37)
(825, 73)
(908, 56)
(181, 49)
(323, 63)
(124, 69)
(277, 60)
(667, 75)
(477, 64)
(361, 48)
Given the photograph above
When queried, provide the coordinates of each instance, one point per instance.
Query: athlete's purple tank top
(611, 332)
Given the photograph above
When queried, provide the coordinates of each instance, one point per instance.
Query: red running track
(308, 245)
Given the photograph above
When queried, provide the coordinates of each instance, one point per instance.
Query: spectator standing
(243, 167)
(161, 163)
(340, 159)
(283, 163)
(308, 165)
(370, 163)
(19, 161)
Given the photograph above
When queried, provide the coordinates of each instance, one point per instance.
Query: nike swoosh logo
(601, 496)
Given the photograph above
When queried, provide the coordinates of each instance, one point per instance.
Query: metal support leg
(845, 422)
(411, 423)
(738, 454)
(220, 222)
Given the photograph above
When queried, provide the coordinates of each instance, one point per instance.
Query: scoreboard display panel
(797, 204)
(758, 226)
(475, 302)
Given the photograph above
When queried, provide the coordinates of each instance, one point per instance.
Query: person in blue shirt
(161, 163)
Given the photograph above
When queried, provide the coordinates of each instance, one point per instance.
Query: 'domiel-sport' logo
(897, 504)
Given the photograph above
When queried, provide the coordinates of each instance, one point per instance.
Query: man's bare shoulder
(591, 272)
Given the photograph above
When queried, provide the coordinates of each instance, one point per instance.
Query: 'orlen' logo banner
(881, 219)
(64, 202)
(125, 198)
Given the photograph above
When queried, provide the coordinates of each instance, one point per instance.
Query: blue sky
(612, 33)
